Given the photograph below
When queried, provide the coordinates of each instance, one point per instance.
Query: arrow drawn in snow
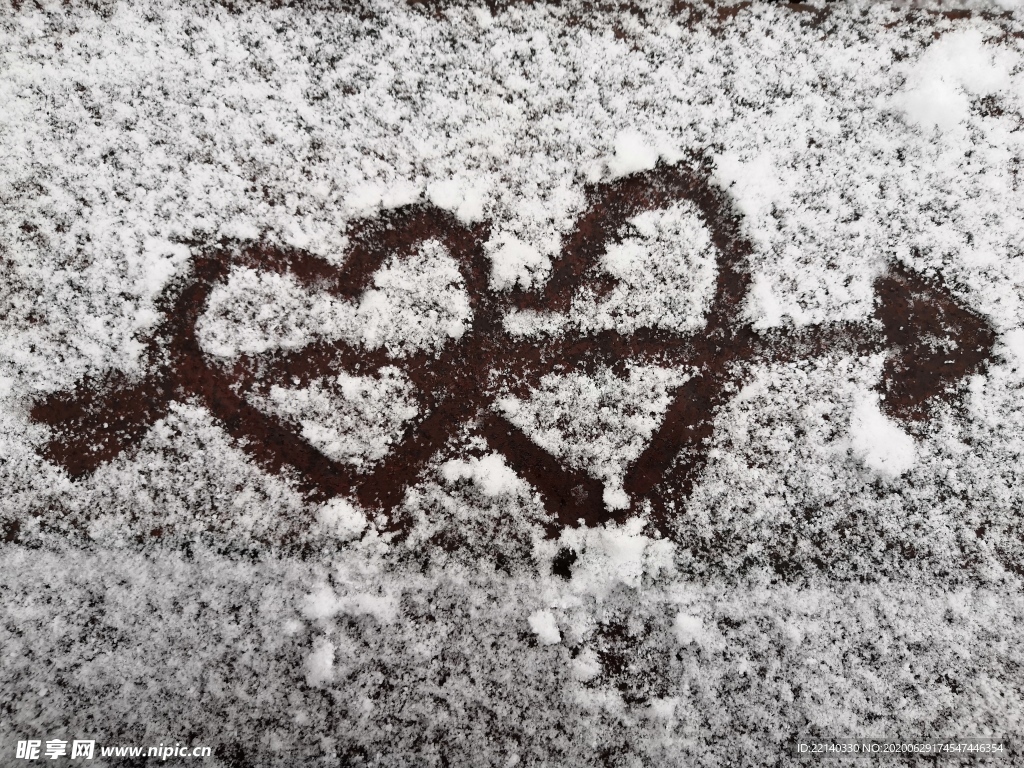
(931, 341)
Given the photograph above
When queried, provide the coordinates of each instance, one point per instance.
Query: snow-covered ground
(832, 567)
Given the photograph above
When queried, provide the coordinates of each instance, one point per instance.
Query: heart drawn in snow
(458, 384)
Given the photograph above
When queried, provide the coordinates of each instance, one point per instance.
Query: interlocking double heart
(930, 339)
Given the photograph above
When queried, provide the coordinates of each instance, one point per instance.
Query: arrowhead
(934, 342)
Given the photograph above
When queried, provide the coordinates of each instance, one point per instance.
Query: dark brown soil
(931, 340)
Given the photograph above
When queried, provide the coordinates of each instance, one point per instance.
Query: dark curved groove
(273, 445)
(385, 486)
(570, 496)
(916, 314)
(682, 437)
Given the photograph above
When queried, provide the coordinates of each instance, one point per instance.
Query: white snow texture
(832, 570)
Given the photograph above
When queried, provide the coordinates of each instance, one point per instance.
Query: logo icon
(931, 341)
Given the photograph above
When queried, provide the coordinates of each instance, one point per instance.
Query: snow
(417, 303)
(341, 518)
(615, 497)
(633, 153)
(754, 182)
(943, 81)
(514, 262)
(832, 568)
(586, 665)
(320, 665)
(666, 267)
(879, 442)
(616, 556)
(455, 195)
(599, 423)
(352, 419)
(544, 627)
(688, 628)
(489, 474)
(763, 307)
(1013, 341)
